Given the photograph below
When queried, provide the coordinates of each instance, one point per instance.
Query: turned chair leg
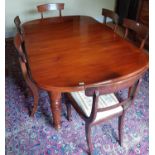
(120, 129)
(88, 137)
(35, 93)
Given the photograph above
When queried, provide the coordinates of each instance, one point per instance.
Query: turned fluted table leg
(56, 108)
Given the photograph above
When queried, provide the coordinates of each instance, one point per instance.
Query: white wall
(26, 9)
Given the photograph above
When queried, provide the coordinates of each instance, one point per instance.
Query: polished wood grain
(75, 52)
(51, 6)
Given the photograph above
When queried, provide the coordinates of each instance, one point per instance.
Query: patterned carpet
(36, 136)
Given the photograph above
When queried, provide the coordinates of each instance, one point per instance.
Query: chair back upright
(111, 14)
(18, 42)
(21, 56)
(18, 24)
(140, 29)
(51, 6)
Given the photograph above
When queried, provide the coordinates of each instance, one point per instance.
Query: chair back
(21, 56)
(111, 14)
(51, 6)
(132, 85)
(141, 30)
(18, 24)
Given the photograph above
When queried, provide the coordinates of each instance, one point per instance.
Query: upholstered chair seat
(85, 103)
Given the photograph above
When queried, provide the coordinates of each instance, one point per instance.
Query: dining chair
(18, 24)
(51, 6)
(141, 30)
(98, 104)
(111, 14)
(18, 41)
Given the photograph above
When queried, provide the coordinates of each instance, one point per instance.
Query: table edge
(109, 82)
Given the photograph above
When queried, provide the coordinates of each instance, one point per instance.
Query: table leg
(56, 108)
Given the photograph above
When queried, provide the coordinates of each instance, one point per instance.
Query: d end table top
(66, 52)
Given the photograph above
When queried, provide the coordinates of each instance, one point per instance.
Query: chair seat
(85, 103)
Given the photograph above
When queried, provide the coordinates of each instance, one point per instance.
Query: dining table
(71, 53)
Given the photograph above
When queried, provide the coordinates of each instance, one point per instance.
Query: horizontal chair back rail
(139, 28)
(111, 88)
(51, 6)
(111, 14)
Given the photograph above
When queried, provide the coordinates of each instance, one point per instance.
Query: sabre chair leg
(120, 129)
(35, 93)
(88, 137)
(68, 107)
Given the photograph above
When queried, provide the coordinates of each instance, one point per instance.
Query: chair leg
(68, 107)
(88, 137)
(35, 93)
(120, 129)
(35, 105)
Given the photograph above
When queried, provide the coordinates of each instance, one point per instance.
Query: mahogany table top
(64, 52)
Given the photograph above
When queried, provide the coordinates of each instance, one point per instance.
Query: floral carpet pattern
(36, 136)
